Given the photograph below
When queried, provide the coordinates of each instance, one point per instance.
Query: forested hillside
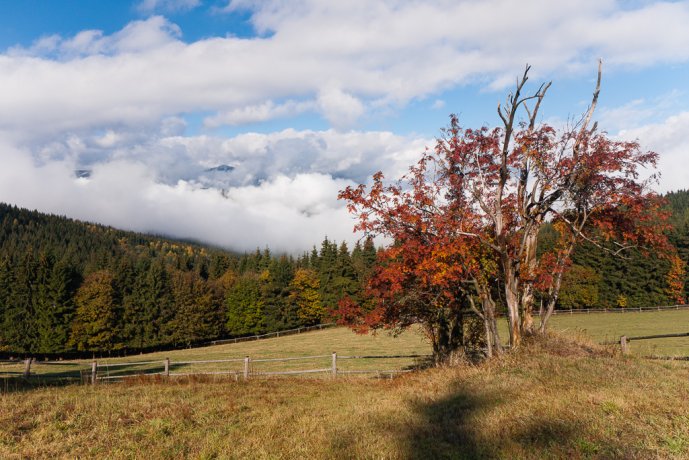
(71, 286)
(598, 279)
(68, 286)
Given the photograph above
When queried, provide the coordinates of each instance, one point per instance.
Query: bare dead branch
(540, 95)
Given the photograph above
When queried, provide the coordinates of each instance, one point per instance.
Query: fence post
(334, 368)
(27, 368)
(167, 367)
(94, 372)
(246, 367)
(623, 344)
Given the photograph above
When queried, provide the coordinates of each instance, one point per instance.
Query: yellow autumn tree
(305, 296)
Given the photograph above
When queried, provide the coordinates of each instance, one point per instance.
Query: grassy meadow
(567, 398)
(599, 327)
(608, 327)
(563, 400)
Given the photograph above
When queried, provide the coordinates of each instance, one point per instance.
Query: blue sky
(302, 98)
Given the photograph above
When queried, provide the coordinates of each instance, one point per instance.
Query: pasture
(316, 347)
(568, 398)
(563, 399)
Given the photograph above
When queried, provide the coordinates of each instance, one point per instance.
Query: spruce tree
(244, 307)
(57, 308)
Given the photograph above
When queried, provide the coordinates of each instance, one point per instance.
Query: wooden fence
(238, 368)
(624, 340)
(574, 311)
(269, 335)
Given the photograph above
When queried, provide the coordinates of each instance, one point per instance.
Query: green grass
(603, 327)
(316, 343)
(599, 327)
(558, 399)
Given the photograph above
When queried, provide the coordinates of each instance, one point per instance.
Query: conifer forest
(73, 288)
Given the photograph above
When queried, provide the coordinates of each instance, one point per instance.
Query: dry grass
(560, 399)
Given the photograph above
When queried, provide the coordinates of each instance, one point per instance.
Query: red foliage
(470, 209)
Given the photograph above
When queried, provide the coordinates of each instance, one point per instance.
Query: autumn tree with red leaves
(465, 220)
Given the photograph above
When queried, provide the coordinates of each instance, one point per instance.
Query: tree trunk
(527, 324)
(546, 314)
(494, 346)
(512, 300)
(529, 264)
(554, 293)
(447, 335)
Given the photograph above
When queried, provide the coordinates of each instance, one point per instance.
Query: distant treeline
(68, 286)
(598, 279)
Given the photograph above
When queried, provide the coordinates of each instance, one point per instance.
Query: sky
(120, 112)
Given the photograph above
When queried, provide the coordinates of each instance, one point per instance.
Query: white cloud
(348, 56)
(339, 108)
(283, 192)
(136, 37)
(258, 113)
(116, 104)
(639, 112)
(438, 104)
(289, 214)
(669, 139)
(629, 115)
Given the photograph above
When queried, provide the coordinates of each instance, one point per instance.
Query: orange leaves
(465, 214)
(675, 279)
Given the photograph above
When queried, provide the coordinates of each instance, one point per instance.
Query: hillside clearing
(569, 402)
(599, 327)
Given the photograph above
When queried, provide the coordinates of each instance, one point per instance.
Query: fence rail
(624, 340)
(575, 311)
(250, 338)
(95, 372)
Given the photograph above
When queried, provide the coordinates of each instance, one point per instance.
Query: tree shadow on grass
(444, 428)
(449, 428)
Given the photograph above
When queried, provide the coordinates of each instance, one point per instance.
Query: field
(605, 327)
(569, 398)
(599, 327)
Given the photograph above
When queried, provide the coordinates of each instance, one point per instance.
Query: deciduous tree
(468, 214)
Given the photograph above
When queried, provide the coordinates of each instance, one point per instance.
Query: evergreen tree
(274, 293)
(244, 307)
(345, 283)
(198, 315)
(327, 273)
(57, 308)
(6, 282)
(157, 305)
(19, 325)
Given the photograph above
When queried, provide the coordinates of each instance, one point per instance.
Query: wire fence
(575, 311)
(271, 335)
(246, 368)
